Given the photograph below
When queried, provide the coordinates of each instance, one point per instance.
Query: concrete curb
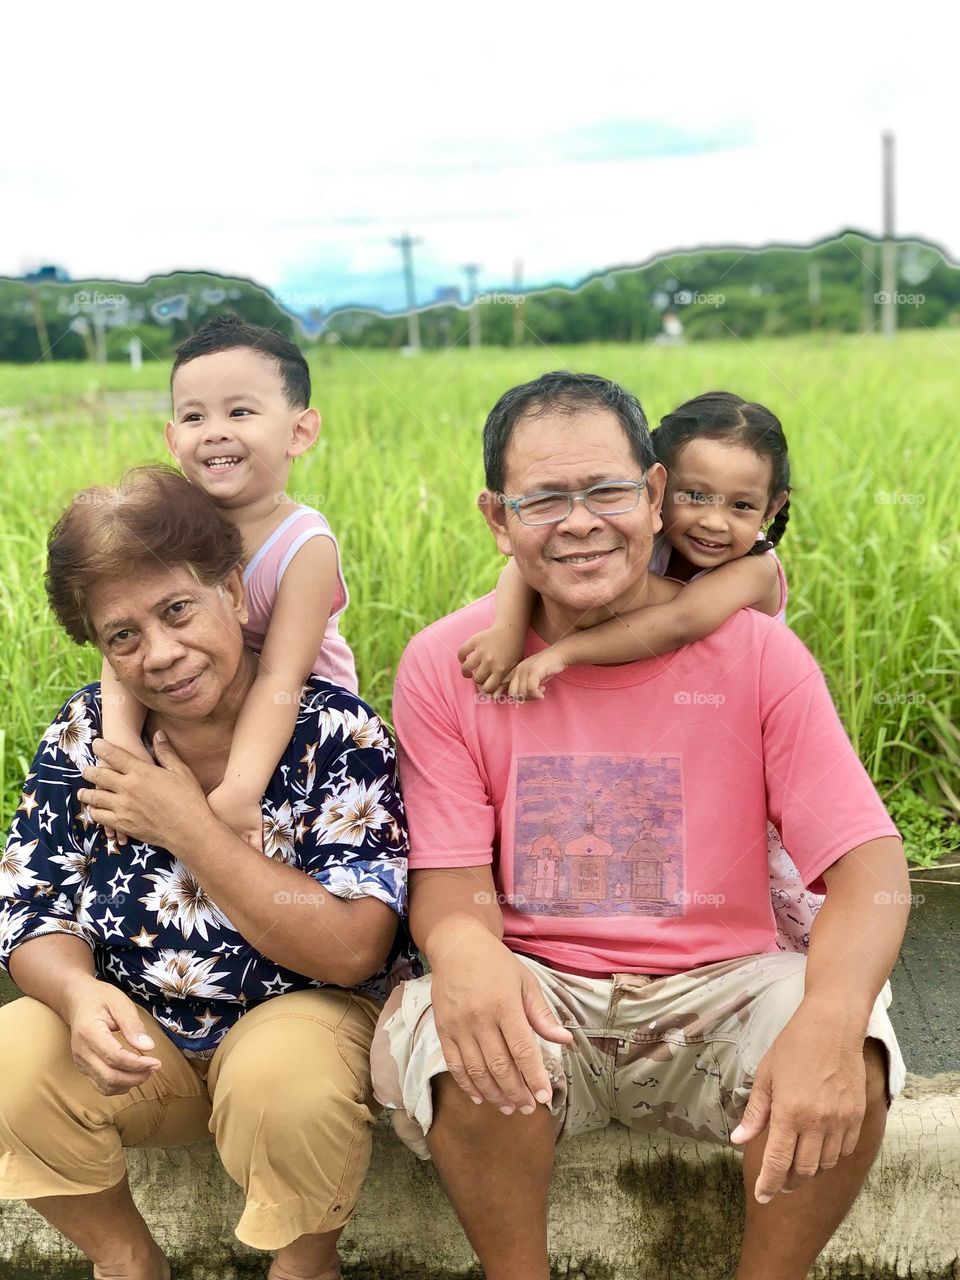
(623, 1207)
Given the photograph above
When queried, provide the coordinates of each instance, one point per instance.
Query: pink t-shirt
(626, 814)
(262, 578)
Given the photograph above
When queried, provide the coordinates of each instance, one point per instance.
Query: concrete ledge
(624, 1207)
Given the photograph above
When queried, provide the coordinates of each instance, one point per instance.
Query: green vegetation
(872, 550)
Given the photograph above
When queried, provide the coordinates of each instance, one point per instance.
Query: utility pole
(405, 245)
(869, 276)
(472, 269)
(518, 302)
(888, 267)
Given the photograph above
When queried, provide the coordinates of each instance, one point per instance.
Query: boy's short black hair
(226, 332)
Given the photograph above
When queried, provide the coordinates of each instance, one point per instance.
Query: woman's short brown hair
(154, 516)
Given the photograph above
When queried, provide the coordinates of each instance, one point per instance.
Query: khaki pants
(286, 1096)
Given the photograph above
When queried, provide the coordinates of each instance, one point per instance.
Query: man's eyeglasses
(613, 498)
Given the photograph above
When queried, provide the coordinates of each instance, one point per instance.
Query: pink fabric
(262, 578)
(626, 814)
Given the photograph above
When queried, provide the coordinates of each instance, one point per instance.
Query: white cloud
(296, 142)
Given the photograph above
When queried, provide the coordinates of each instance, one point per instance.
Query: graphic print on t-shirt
(598, 835)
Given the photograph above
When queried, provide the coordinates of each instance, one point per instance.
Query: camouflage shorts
(675, 1054)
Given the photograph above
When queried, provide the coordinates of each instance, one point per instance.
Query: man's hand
(811, 1091)
(97, 1011)
(142, 799)
(488, 658)
(487, 1006)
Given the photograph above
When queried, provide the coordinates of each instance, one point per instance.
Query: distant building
(447, 293)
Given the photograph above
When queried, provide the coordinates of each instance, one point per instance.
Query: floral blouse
(332, 808)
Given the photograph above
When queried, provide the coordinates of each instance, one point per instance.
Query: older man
(589, 879)
(186, 983)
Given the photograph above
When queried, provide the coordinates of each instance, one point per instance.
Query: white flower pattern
(332, 810)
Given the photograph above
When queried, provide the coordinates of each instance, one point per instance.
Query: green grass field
(872, 552)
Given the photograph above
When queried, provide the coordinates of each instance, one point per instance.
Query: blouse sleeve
(44, 870)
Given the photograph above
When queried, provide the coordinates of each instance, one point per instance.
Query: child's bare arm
(693, 613)
(122, 722)
(269, 713)
(489, 656)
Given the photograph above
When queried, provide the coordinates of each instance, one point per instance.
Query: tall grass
(872, 550)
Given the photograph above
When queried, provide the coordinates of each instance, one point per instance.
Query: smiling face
(587, 563)
(717, 499)
(174, 643)
(233, 431)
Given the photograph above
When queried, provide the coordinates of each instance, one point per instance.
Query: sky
(294, 144)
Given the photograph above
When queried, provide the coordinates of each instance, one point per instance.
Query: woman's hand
(143, 799)
(240, 812)
(533, 673)
(96, 1013)
(488, 658)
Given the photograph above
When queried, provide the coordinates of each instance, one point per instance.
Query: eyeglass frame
(579, 495)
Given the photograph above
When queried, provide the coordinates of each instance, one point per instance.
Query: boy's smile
(233, 431)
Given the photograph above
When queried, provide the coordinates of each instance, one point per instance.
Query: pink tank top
(262, 578)
(660, 559)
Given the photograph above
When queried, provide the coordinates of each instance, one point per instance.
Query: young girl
(725, 508)
(241, 413)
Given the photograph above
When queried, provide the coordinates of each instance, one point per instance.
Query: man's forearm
(51, 968)
(283, 912)
(448, 904)
(857, 934)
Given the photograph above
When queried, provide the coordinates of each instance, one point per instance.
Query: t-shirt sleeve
(355, 839)
(452, 820)
(819, 796)
(50, 843)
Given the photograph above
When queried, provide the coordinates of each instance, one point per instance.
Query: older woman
(184, 981)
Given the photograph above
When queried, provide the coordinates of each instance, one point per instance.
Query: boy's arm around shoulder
(297, 627)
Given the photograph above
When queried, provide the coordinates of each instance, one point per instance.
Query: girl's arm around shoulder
(694, 612)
